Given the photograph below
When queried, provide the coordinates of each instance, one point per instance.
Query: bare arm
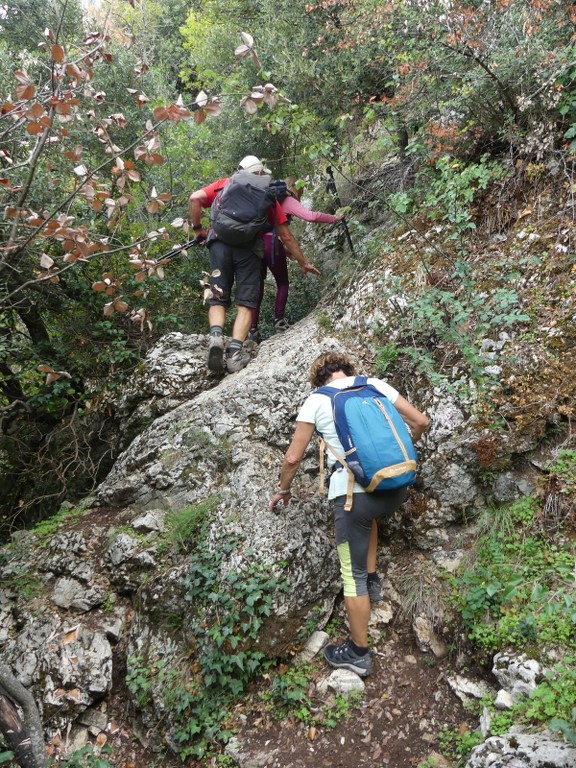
(292, 458)
(418, 422)
(196, 202)
(291, 244)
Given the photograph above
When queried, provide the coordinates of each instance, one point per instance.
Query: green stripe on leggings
(346, 569)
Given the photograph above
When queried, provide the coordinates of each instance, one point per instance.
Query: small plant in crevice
(290, 694)
(387, 354)
(288, 691)
(551, 704)
(87, 757)
(183, 525)
(554, 698)
(228, 606)
(45, 529)
(457, 744)
(563, 470)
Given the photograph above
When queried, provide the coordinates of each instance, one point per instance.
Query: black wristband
(197, 227)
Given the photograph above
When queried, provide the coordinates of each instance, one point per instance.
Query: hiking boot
(281, 325)
(254, 335)
(375, 590)
(216, 353)
(343, 656)
(238, 360)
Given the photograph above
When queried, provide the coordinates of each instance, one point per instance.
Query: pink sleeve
(292, 207)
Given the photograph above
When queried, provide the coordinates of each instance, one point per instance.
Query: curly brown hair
(328, 363)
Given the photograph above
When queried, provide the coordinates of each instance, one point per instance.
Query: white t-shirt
(317, 410)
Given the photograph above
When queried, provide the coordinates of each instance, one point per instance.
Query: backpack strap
(359, 381)
(324, 446)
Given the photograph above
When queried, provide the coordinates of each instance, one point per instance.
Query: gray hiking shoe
(216, 354)
(237, 361)
(342, 656)
(254, 335)
(281, 325)
(375, 590)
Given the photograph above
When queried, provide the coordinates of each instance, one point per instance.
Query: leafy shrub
(228, 608)
(519, 592)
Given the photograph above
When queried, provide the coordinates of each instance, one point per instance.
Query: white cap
(252, 164)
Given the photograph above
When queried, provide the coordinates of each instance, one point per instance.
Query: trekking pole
(171, 254)
(331, 186)
(180, 248)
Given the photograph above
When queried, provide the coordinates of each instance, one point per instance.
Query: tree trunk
(24, 736)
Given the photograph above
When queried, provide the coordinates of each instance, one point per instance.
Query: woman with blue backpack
(367, 419)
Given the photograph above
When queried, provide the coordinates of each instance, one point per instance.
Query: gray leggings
(353, 530)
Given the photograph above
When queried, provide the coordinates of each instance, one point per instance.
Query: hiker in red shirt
(240, 264)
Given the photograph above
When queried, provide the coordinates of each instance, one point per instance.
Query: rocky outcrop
(110, 588)
(520, 748)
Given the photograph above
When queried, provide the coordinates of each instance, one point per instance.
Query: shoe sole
(235, 369)
(216, 359)
(360, 671)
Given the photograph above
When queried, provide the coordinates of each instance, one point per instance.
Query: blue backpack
(378, 449)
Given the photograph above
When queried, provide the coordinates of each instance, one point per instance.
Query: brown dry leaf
(21, 76)
(35, 111)
(377, 752)
(69, 637)
(215, 108)
(57, 53)
(160, 113)
(34, 129)
(249, 105)
(25, 92)
(101, 739)
(73, 70)
(74, 694)
(241, 51)
(312, 733)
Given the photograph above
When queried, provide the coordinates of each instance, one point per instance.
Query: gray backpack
(240, 211)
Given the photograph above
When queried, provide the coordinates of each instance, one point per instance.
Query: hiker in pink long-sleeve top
(275, 258)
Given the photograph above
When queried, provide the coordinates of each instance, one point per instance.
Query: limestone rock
(517, 674)
(520, 749)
